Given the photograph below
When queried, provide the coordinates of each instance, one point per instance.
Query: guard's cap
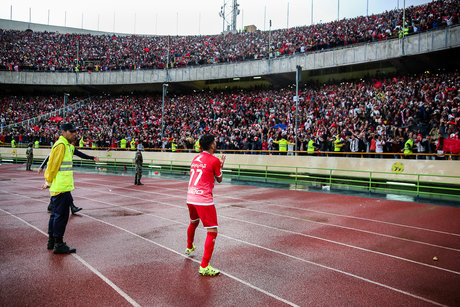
(68, 127)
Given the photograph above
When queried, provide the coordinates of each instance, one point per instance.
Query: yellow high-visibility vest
(123, 143)
(63, 182)
(282, 144)
(408, 146)
(311, 147)
(337, 144)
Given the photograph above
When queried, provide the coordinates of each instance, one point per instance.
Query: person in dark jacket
(30, 157)
(138, 160)
(79, 154)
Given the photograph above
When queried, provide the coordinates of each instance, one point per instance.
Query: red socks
(208, 248)
(191, 234)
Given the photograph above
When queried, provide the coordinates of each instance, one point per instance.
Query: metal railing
(384, 155)
(59, 112)
(435, 186)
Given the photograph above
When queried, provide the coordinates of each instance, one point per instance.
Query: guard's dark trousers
(60, 214)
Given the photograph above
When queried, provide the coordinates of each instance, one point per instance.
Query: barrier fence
(434, 186)
(385, 155)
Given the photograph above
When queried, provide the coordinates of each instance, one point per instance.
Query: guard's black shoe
(75, 209)
(62, 248)
(139, 183)
(50, 244)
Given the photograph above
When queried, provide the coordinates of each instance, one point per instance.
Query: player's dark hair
(206, 141)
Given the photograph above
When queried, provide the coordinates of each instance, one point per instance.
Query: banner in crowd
(452, 146)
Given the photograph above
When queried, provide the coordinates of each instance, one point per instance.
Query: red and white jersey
(205, 167)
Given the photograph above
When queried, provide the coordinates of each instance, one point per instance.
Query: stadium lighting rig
(232, 12)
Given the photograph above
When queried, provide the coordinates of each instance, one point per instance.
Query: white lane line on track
(350, 217)
(316, 211)
(194, 260)
(289, 217)
(155, 243)
(256, 202)
(91, 268)
(261, 247)
(277, 252)
(303, 209)
(270, 227)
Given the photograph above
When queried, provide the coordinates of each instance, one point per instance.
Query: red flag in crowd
(36, 128)
(146, 49)
(378, 84)
(55, 119)
(452, 146)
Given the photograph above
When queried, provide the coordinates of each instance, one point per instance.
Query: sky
(188, 17)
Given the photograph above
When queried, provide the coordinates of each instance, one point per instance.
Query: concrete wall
(37, 27)
(281, 163)
(412, 45)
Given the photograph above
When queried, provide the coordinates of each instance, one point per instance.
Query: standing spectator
(439, 149)
(421, 144)
(430, 147)
(354, 145)
(138, 160)
(30, 157)
(264, 146)
(379, 144)
(372, 142)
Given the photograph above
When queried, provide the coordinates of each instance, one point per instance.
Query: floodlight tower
(228, 13)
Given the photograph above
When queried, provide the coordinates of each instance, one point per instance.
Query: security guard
(283, 143)
(37, 144)
(82, 143)
(138, 161)
(30, 157)
(133, 144)
(173, 146)
(311, 146)
(197, 145)
(13, 143)
(409, 145)
(59, 181)
(404, 31)
(74, 209)
(338, 144)
(123, 143)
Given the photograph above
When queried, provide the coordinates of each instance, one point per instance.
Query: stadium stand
(374, 115)
(44, 51)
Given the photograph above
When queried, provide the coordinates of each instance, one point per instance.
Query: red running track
(274, 248)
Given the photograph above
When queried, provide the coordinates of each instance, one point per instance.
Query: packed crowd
(372, 115)
(43, 51)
